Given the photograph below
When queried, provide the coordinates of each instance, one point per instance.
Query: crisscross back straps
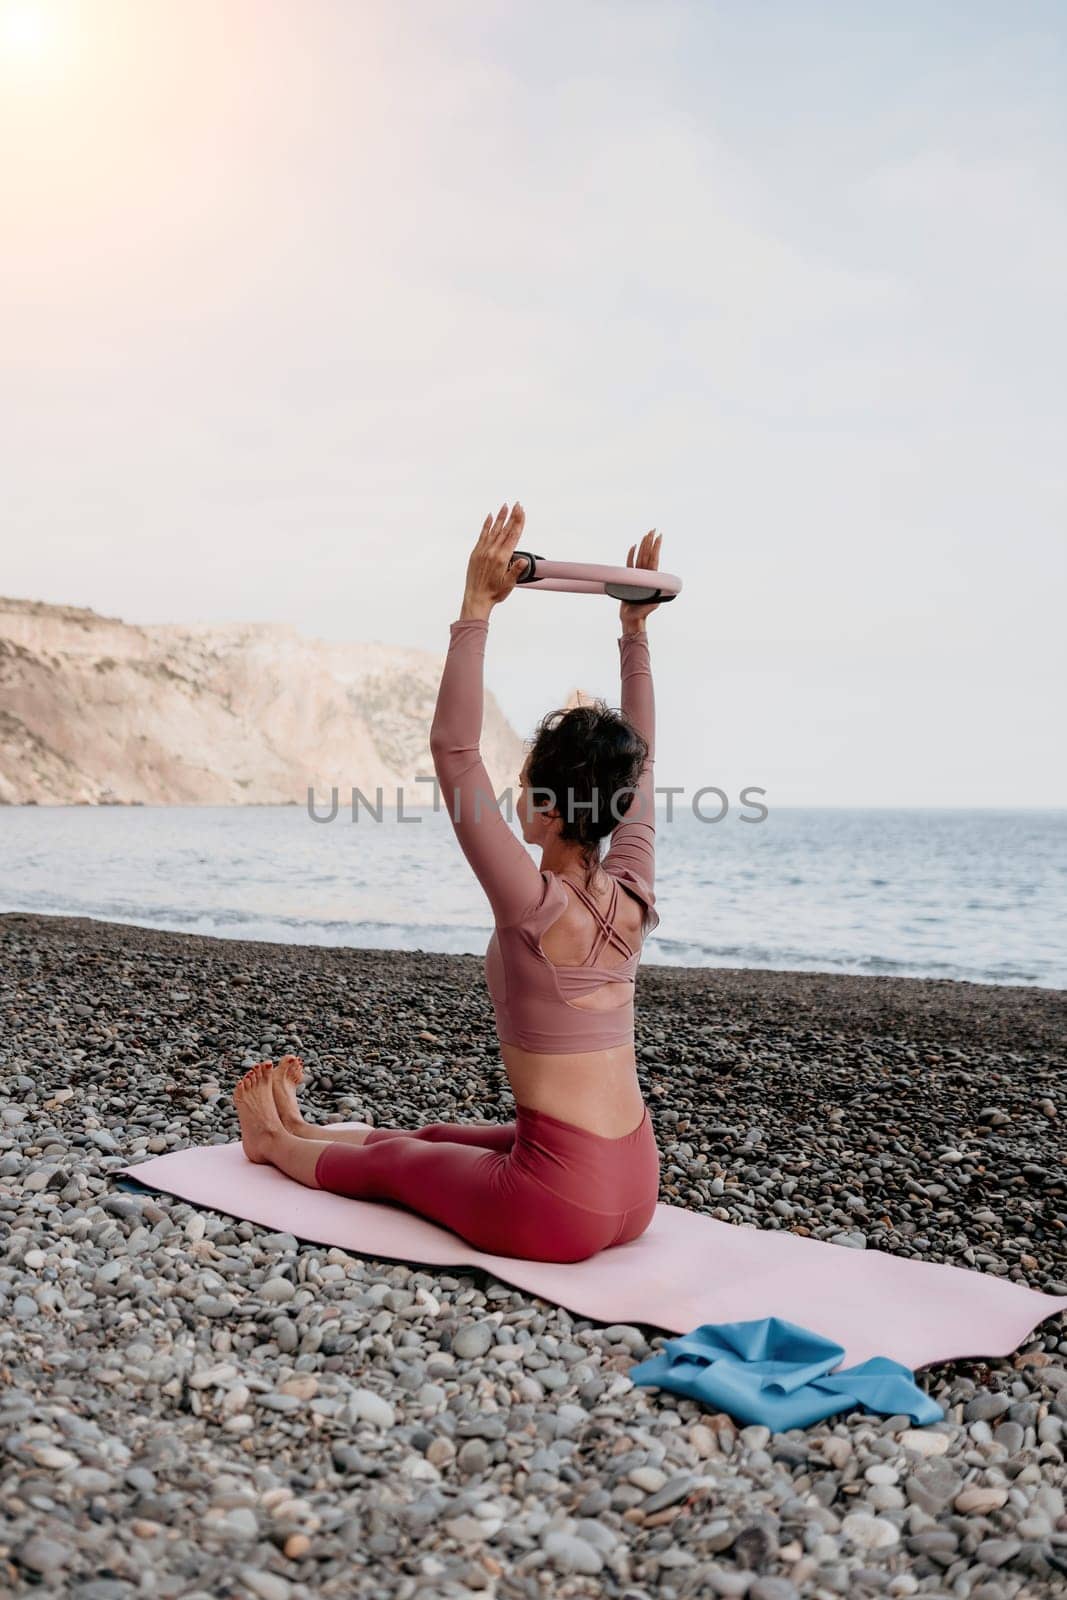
(606, 929)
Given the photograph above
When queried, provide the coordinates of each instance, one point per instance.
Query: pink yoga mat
(686, 1269)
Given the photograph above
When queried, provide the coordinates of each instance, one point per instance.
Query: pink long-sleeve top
(529, 992)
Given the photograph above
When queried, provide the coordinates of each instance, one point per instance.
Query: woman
(578, 1170)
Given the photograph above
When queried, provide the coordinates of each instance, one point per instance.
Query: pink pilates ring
(637, 585)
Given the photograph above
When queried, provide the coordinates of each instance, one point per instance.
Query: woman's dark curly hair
(585, 756)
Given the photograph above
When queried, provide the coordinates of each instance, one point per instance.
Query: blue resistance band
(773, 1372)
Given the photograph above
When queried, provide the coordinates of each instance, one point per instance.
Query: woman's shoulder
(551, 898)
(640, 887)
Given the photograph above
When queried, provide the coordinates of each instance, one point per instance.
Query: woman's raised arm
(500, 861)
(632, 851)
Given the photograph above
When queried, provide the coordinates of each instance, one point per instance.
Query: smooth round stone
(568, 1553)
(924, 1442)
(597, 1533)
(569, 1420)
(934, 1485)
(473, 1340)
(470, 1530)
(279, 1402)
(836, 1450)
(984, 1407)
(277, 1290)
(882, 1473)
(285, 1335)
(727, 1581)
(43, 1555)
(240, 1523)
(715, 1535)
(91, 1480)
(38, 1181)
(885, 1497)
(703, 1440)
(770, 1588)
(995, 1552)
(265, 1585)
(674, 1490)
(440, 1452)
(552, 1378)
(978, 1499)
(54, 1459)
(869, 1533)
(647, 1478)
(938, 1543)
(475, 1457)
(372, 1408)
(209, 1305)
(1050, 1500)
(623, 1333)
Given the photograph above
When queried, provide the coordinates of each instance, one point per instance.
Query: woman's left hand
(490, 577)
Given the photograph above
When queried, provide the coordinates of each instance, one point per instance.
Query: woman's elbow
(447, 761)
(439, 757)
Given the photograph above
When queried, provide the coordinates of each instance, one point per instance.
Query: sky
(293, 295)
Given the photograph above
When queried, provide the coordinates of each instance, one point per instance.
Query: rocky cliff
(97, 711)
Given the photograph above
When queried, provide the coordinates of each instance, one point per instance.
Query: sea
(977, 895)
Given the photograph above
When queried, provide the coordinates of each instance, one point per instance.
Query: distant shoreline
(63, 919)
(955, 1008)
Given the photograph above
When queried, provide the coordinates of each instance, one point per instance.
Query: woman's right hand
(632, 613)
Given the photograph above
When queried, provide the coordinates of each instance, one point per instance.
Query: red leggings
(537, 1187)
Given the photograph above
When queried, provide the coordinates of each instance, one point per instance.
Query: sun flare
(27, 28)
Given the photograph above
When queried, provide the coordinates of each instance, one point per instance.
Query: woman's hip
(585, 1169)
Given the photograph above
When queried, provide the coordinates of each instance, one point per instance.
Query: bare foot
(285, 1080)
(256, 1112)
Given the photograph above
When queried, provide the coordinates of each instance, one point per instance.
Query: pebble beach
(193, 1406)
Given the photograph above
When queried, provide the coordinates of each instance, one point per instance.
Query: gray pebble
(996, 1552)
(770, 1588)
(984, 1407)
(473, 1340)
(568, 1553)
(265, 1585)
(43, 1555)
